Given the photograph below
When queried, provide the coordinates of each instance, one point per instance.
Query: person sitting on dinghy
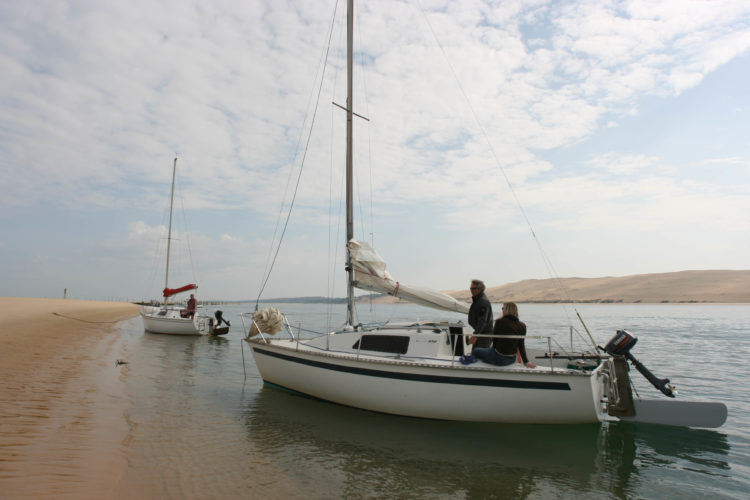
(503, 350)
(480, 314)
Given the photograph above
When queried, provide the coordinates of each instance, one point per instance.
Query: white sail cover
(370, 274)
(269, 320)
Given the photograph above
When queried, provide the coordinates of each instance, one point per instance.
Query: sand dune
(719, 286)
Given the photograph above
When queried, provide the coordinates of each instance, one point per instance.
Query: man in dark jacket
(480, 314)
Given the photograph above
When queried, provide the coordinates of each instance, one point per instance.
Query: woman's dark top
(510, 325)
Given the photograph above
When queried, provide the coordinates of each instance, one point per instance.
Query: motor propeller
(620, 345)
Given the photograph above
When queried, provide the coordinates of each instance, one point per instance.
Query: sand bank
(61, 418)
(712, 286)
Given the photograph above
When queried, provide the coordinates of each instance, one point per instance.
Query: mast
(349, 155)
(169, 234)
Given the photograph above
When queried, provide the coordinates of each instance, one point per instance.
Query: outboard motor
(220, 318)
(620, 345)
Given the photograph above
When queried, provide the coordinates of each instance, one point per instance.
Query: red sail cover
(168, 292)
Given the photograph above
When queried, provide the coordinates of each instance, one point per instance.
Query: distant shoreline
(683, 287)
(387, 299)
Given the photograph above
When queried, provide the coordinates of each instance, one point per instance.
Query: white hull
(435, 387)
(168, 321)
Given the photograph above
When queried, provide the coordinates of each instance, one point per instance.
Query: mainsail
(370, 274)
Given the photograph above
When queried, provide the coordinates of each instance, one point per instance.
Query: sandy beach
(61, 415)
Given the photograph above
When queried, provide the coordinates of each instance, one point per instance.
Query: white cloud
(119, 98)
(626, 165)
(741, 162)
(96, 99)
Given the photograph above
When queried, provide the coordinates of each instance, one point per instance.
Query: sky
(499, 140)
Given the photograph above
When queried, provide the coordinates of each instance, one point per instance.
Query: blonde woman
(503, 350)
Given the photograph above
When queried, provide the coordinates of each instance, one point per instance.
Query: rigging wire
(156, 260)
(545, 258)
(330, 264)
(286, 190)
(301, 169)
(366, 101)
(332, 261)
(187, 229)
(158, 253)
(368, 156)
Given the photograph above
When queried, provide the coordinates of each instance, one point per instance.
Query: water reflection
(702, 451)
(382, 455)
(201, 428)
(183, 419)
(217, 340)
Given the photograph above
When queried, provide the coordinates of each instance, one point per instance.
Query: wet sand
(61, 405)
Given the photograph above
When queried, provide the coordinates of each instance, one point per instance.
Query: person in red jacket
(192, 306)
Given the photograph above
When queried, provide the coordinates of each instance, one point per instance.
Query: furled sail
(370, 274)
(168, 292)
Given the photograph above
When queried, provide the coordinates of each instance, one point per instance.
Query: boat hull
(168, 321)
(446, 392)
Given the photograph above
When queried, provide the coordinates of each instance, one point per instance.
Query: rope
(187, 229)
(84, 320)
(551, 271)
(299, 177)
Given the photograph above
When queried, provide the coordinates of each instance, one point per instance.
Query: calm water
(200, 429)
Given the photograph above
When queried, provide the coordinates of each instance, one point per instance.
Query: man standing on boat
(480, 314)
(192, 306)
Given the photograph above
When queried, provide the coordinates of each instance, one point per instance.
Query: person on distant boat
(192, 306)
(503, 350)
(480, 314)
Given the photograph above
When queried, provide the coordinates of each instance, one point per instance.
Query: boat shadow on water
(391, 455)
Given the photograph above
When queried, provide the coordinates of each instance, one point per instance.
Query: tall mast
(349, 169)
(169, 234)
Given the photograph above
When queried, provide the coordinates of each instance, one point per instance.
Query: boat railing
(551, 355)
(441, 328)
(247, 331)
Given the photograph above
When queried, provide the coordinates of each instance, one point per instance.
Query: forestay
(370, 274)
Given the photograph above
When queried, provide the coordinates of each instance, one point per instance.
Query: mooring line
(83, 320)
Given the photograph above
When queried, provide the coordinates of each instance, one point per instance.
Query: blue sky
(621, 125)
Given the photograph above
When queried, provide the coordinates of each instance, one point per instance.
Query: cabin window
(383, 343)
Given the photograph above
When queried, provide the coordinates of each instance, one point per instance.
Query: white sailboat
(173, 319)
(414, 370)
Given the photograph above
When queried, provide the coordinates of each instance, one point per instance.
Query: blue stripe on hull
(516, 384)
